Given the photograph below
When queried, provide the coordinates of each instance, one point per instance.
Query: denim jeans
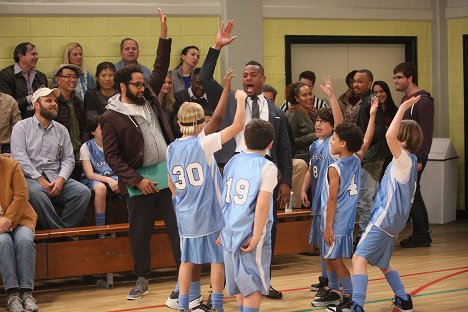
(366, 198)
(17, 258)
(74, 198)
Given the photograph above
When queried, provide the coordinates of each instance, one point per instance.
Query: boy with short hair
(249, 181)
(338, 207)
(195, 182)
(320, 158)
(389, 213)
(97, 174)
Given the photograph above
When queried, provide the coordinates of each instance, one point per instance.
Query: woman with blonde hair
(73, 54)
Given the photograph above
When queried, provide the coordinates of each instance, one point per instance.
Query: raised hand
(228, 78)
(163, 21)
(408, 103)
(374, 105)
(240, 94)
(327, 89)
(223, 37)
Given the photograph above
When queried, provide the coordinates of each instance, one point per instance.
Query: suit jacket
(14, 194)
(281, 150)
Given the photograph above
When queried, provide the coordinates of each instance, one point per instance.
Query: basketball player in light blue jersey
(196, 185)
(249, 181)
(339, 199)
(320, 158)
(389, 213)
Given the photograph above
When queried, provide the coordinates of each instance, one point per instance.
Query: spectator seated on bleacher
(9, 115)
(97, 175)
(44, 150)
(17, 223)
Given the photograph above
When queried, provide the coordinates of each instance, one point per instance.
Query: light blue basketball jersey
(320, 159)
(198, 184)
(393, 200)
(242, 181)
(349, 170)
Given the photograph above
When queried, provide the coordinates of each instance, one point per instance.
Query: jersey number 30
(194, 173)
(241, 191)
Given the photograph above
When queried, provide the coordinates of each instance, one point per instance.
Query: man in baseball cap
(44, 150)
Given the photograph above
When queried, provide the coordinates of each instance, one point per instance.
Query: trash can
(439, 182)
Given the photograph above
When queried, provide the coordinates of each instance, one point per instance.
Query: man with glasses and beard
(44, 150)
(135, 134)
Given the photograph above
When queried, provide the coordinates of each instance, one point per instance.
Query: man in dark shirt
(21, 79)
(406, 80)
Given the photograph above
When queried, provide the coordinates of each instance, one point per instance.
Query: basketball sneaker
(172, 302)
(140, 289)
(345, 305)
(330, 296)
(400, 304)
(323, 282)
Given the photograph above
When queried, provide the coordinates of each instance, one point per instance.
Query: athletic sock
(247, 309)
(184, 302)
(394, 280)
(176, 288)
(333, 280)
(217, 301)
(100, 218)
(347, 285)
(324, 268)
(360, 289)
(194, 291)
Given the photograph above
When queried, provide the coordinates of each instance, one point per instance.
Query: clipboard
(156, 172)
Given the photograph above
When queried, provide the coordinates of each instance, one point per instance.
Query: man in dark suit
(257, 106)
(196, 93)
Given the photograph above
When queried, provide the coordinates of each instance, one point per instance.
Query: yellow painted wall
(276, 29)
(456, 29)
(100, 37)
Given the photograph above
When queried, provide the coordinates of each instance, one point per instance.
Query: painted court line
(414, 293)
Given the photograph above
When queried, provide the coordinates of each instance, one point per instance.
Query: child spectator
(195, 182)
(338, 207)
(320, 158)
(97, 175)
(389, 213)
(249, 181)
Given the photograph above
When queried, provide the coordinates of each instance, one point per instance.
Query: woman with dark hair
(348, 101)
(301, 117)
(95, 100)
(382, 92)
(182, 74)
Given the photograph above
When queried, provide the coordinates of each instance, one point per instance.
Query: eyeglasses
(70, 76)
(398, 77)
(138, 84)
(320, 121)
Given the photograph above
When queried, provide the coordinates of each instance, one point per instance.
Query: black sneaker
(321, 292)
(323, 282)
(201, 308)
(172, 301)
(403, 305)
(329, 297)
(344, 306)
(274, 294)
(415, 242)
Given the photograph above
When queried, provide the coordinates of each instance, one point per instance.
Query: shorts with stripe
(200, 250)
(342, 247)
(376, 246)
(247, 272)
(316, 235)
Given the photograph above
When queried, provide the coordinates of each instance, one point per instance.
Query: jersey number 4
(241, 191)
(353, 189)
(194, 173)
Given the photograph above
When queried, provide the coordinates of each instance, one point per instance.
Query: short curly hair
(351, 134)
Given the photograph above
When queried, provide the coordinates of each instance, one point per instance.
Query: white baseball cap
(44, 92)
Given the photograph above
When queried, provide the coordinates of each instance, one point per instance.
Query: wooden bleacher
(70, 252)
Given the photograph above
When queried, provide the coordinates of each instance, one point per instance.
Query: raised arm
(370, 129)
(163, 55)
(220, 111)
(392, 132)
(239, 119)
(337, 115)
(207, 71)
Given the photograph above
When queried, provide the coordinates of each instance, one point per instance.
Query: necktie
(255, 109)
